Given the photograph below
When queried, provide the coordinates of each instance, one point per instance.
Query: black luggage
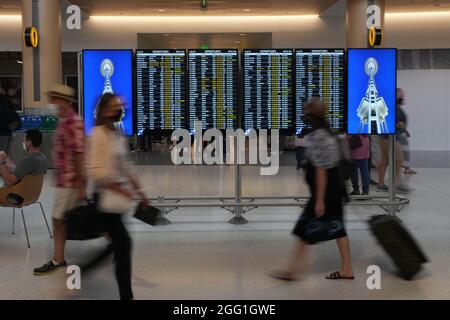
(84, 222)
(399, 244)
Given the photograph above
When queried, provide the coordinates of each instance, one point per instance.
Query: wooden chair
(29, 189)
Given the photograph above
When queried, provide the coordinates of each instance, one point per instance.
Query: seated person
(33, 163)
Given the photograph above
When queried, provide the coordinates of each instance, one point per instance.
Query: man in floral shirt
(68, 156)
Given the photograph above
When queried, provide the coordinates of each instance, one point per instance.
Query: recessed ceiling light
(161, 10)
(237, 42)
(166, 34)
(242, 34)
(171, 41)
(246, 10)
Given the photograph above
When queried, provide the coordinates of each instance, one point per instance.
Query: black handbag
(84, 222)
(147, 214)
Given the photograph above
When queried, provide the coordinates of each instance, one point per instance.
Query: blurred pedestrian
(322, 218)
(9, 122)
(402, 130)
(360, 153)
(115, 184)
(398, 152)
(68, 156)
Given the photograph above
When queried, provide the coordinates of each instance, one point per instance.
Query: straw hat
(62, 92)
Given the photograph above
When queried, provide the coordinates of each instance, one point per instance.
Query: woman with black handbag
(322, 218)
(114, 184)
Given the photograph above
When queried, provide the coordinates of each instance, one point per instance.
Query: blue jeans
(363, 166)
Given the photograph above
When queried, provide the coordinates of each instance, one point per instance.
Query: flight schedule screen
(213, 88)
(320, 73)
(160, 86)
(268, 89)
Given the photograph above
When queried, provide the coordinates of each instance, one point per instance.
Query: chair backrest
(29, 188)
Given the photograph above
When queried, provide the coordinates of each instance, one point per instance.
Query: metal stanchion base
(248, 209)
(162, 221)
(238, 220)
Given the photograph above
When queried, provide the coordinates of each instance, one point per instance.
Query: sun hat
(62, 92)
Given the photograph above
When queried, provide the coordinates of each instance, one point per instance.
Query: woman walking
(322, 218)
(115, 185)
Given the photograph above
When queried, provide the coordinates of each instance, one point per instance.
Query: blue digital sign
(108, 71)
(372, 86)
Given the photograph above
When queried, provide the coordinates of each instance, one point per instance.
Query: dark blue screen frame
(121, 82)
(358, 83)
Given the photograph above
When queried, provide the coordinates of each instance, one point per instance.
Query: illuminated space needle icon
(372, 110)
(107, 71)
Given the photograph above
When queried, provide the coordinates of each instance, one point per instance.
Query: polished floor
(201, 256)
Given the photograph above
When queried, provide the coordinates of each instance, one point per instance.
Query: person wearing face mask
(115, 185)
(68, 157)
(323, 155)
(33, 163)
(399, 150)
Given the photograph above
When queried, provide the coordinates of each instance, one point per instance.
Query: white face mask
(52, 109)
(24, 145)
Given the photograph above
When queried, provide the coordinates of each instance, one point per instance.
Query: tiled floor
(201, 256)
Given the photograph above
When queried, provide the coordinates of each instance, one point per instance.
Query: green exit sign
(204, 46)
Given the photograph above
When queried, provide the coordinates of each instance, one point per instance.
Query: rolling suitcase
(398, 244)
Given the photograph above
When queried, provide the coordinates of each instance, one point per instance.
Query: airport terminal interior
(205, 246)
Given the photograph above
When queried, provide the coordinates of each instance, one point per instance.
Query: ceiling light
(189, 19)
(417, 14)
(161, 10)
(246, 10)
(10, 17)
(19, 62)
(237, 42)
(166, 34)
(242, 34)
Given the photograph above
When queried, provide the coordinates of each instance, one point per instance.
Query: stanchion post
(392, 176)
(238, 217)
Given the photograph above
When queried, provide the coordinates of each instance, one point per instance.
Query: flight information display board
(160, 85)
(213, 88)
(321, 73)
(268, 89)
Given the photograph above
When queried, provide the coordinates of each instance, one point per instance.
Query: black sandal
(337, 276)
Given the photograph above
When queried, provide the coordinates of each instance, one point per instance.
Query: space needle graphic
(372, 110)
(107, 71)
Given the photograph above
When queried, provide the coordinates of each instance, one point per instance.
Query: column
(48, 58)
(357, 31)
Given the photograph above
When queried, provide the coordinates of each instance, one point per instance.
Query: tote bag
(113, 202)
